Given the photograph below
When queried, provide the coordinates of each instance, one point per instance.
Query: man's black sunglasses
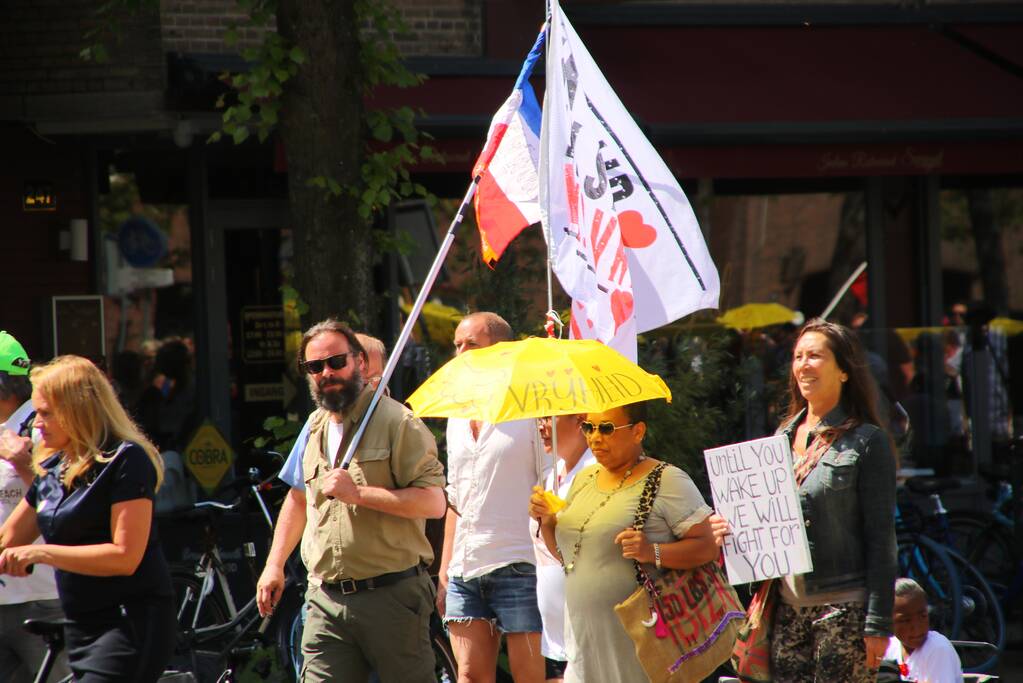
(315, 367)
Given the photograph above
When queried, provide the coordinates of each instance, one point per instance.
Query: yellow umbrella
(1006, 326)
(533, 378)
(752, 316)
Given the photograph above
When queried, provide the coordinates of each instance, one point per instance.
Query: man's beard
(338, 401)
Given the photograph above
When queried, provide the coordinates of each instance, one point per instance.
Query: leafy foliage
(706, 407)
(394, 144)
(280, 434)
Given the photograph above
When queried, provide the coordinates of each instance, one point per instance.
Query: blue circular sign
(142, 242)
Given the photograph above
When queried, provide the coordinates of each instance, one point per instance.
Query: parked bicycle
(218, 639)
(964, 605)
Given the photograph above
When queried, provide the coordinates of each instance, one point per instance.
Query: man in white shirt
(573, 456)
(487, 577)
(922, 655)
(34, 596)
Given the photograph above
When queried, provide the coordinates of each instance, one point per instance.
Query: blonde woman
(92, 501)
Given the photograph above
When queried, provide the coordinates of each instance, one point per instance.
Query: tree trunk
(321, 125)
(987, 237)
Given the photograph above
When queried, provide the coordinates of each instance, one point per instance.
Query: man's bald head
(479, 330)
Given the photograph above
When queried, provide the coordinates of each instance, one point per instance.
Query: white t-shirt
(490, 479)
(335, 434)
(40, 584)
(550, 575)
(935, 661)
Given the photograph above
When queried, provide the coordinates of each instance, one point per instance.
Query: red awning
(783, 101)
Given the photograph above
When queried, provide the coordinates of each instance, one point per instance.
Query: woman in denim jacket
(833, 624)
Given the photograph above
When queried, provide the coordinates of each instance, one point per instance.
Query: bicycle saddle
(927, 485)
(46, 628)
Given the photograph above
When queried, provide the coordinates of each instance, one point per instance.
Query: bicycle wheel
(447, 671)
(987, 544)
(289, 621)
(193, 613)
(193, 609)
(982, 617)
(928, 563)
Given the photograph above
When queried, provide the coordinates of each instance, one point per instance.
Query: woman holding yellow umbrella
(597, 546)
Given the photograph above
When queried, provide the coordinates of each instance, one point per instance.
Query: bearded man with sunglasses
(362, 528)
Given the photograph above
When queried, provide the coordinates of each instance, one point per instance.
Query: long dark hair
(859, 392)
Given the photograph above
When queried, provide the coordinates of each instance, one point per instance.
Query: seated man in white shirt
(923, 655)
(487, 582)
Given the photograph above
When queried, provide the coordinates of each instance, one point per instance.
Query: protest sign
(754, 488)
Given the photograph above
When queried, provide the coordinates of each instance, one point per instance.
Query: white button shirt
(40, 584)
(490, 480)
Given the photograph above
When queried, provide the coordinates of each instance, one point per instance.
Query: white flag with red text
(627, 247)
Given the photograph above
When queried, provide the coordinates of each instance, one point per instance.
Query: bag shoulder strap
(643, 510)
(646, 498)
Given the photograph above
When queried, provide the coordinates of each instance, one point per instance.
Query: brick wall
(441, 28)
(197, 26)
(35, 269)
(435, 27)
(40, 41)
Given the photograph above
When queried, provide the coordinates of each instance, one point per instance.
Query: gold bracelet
(657, 555)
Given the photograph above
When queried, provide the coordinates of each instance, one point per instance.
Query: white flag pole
(843, 289)
(413, 316)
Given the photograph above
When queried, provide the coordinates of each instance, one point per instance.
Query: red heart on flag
(635, 233)
(621, 307)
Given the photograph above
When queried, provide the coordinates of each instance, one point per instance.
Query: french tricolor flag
(508, 197)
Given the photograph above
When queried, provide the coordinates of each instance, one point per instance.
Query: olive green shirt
(397, 451)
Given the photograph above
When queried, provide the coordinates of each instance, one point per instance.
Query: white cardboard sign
(754, 488)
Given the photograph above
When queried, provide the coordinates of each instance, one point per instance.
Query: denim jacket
(848, 503)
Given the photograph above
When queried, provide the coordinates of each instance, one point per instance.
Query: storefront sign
(208, 457)
(755, 490)
(273, 391)
(262, 334)
(38, 196)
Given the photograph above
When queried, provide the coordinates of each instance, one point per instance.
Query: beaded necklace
(607, 497)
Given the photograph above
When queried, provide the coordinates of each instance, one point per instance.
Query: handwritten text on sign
(755, 490)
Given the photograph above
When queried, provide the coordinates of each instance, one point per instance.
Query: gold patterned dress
(599, 577)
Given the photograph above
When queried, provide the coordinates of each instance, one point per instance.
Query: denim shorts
(505, 597)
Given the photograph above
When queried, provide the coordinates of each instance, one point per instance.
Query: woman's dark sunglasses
(315, 367)
(605, 428)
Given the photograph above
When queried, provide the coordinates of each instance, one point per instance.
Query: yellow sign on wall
(208, 456)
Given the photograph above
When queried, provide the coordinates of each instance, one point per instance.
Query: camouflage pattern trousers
(819, 644)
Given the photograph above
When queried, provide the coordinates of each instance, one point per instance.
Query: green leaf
(334, 187)
(297, 55)
(231, 36)
(214, 137)
(281, 74)
(273, 422)
(240, 134)
(383, 131)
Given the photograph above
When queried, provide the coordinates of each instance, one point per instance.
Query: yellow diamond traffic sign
(208, 456)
